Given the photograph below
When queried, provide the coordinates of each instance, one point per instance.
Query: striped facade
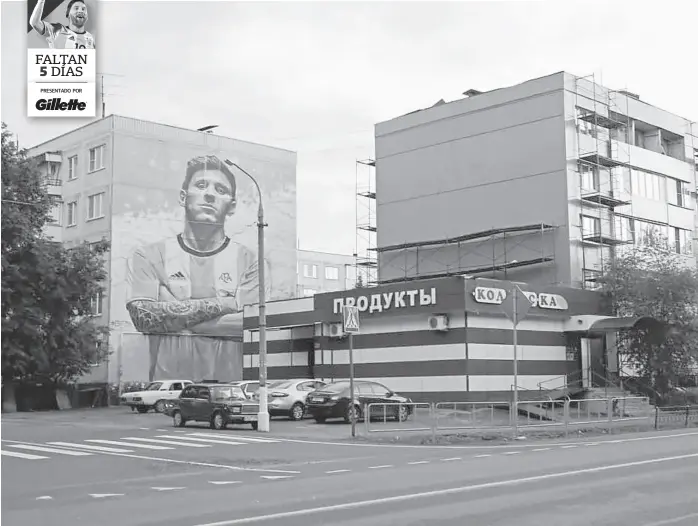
(472, 360)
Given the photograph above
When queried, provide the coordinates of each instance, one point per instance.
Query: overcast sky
(315, 77)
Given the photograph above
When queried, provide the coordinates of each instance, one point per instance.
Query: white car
(289, 397)
(154, 396)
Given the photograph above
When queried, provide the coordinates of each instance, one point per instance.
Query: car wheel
(348, 414)
(178, 419)
(297, 411)
(160, 406)
(143, 410)
(218, 422)
(402, 414)
(255, 425)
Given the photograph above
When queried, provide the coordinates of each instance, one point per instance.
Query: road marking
(543, 449)
(236, 437)
(127, 444)
(52, 450)
(512, 453)
(567, 447)
(672, 521)
(144, 428)
(380, 467)
(450, 459)
(105, 495)
(276, 477)
(25, 456)
(418, 462)
(92, 448)
(167, 489)
(169, 442)
(338, 471)
(224, 482)
(450, 491)
(44, 497)
(163, 430)
(592, 444)
(207, 440)
(482, 456)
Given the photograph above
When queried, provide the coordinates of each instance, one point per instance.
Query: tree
(652, 280)
(47, 290)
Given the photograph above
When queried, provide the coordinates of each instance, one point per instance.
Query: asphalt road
(111, 469)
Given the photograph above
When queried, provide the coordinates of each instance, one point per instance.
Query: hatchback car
(154, 396)
(333, 401)
(216, 404)
(289, 397)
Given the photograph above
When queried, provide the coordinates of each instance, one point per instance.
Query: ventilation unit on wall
(334, 330)
(438, 322)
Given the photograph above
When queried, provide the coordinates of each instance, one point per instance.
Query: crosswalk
(125, 445)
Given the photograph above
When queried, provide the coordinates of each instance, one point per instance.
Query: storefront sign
(541, 300)
(387, 300)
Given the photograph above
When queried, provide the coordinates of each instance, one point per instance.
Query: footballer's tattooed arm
(35, 20)
(165, 317)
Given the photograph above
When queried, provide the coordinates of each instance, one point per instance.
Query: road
(114, 469)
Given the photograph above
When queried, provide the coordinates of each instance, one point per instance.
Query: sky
(314, 77)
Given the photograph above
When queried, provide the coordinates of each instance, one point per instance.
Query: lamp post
(263, 415)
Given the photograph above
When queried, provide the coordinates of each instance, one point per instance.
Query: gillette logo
(59, 105)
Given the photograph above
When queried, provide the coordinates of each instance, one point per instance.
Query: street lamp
(263, 416)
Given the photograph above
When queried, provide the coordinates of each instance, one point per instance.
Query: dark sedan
(333, 401)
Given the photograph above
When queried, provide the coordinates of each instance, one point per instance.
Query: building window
(309, 292)
(55, 214)
(649, 186)
(624, 229)
(72, 213)
(589, 178)
(72, 167)
(679, 193)
(591, 226)
(591, 278)
(94, 206)
(96, 304)
(332, 273)
(96, 158)
(645, 232)
(683, 244)
(310, 271)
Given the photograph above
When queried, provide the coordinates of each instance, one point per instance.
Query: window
(591, 226)
(683, 244)
(679, 193)
(650, 186)
(589, 178)
(96, 158)
(94, 206)
(624, 228)
(309, 292)
(55, 216)
(72, 213)
(72, 167)
(310, 271)
(189, 392)
(591, 279)
(331, 273)
(96, 304)
(176, 386)
(645, 232)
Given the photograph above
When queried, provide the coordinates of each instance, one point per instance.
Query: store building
(437, 339)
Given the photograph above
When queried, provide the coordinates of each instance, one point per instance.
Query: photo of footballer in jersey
(195, 283)
(59, 35)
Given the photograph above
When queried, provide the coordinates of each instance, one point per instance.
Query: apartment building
(539, 182)
(320, 272)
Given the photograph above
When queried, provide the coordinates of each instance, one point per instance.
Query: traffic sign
(351, 319)
(516, 305)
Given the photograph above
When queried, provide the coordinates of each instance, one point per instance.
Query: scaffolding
(364, 253)
(602, 164)
(495, 245)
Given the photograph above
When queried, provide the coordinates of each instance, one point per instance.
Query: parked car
(249, 387)
(154, 395)
(216, 404)
(333, 401)
(289, 397)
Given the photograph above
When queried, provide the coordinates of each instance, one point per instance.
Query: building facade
(539, 182)
(180, 218)
(444, 339)
(324, 272)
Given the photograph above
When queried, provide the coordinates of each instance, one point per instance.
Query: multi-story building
(147, 189)
(324, 272)
(539, 182)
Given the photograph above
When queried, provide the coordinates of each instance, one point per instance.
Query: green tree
(653, 280)
(47, 290)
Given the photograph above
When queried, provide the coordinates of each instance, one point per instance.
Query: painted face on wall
(78, 14)
(209, 198)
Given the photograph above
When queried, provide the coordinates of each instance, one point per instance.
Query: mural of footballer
(195, 283)
(59, 36)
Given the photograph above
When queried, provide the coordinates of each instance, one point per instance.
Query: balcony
(602, 152)
(608, 199)
(599, 237)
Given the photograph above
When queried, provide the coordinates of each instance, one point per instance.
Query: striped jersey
(59, 36)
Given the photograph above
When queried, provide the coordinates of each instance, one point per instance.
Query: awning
(618, 324)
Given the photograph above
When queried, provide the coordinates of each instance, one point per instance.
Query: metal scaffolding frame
(364, 251)
(467, 244)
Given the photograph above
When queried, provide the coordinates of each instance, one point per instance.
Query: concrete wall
(491, 161)
(344, 264)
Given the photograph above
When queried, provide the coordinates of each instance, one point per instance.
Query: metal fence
(565, 413)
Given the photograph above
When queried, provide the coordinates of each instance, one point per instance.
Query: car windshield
(154, 386)
(280, 385)
(335, 388)
(219, 394)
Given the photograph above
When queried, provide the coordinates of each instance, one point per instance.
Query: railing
(682, 415)
(498, 415)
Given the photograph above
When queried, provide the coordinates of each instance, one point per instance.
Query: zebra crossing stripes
(26, 456)
(170, 442)
(127, 444)
(45, 449)
(101, 449)
(235, 437)
(207, 440)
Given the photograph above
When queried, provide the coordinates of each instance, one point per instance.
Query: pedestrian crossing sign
(351, 319)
